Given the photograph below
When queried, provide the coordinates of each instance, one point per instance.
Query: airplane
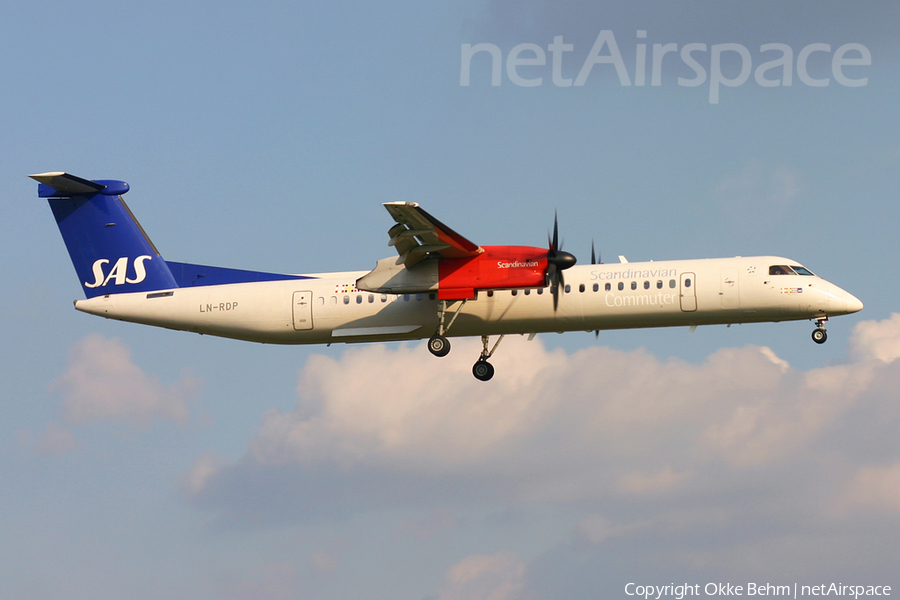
(438, 285)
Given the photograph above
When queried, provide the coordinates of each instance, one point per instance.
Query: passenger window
(346, 299)
(320, 301)
(634, 285)
(527, 292)
(515, 292)
(406, 297)
(672, 283)
(608, 287)
(490, 293)
(646, 285)
(419, 296)
(431, 296)
(568, 288)
(687, 283)
(333, 300)
(621, 286)
(540, 291)
(581, 287)
(359, 299)
(596, 287)
(371, 298)
(384, 297)
(659, 284)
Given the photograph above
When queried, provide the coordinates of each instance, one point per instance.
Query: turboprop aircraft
(438, 284)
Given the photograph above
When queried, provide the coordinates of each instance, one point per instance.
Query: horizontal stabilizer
(57, 184)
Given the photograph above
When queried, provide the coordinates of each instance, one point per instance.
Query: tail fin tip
(58, 184)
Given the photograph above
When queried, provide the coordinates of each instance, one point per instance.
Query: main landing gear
(483, 370)
(819, 335)
(439, 345)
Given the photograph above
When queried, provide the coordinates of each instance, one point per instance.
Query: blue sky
(146, 463)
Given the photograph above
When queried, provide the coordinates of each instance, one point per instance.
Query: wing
(417, 234)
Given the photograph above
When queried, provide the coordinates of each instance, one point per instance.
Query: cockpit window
(786, 270)
(780, 270)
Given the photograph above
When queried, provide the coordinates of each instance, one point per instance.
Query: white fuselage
(327, 308)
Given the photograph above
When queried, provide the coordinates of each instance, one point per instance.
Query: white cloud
(56, 440)
(596, 529)
(652, 483)
(205, 468)
(379, 404)
(873, 487)
(499, 576)
(103, 383)
(739, 446)
(877, 339)
(598, 411)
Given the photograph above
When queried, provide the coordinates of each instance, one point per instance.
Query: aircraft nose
(854, 304)
(848, 303)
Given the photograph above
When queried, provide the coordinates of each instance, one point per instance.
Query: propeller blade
(555, 246)
(555, 289)
(557, 261)
(593, 257)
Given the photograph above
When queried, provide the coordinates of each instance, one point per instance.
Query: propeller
(557, 262)
(594, 261)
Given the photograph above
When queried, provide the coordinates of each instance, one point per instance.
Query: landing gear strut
(819, 335)
(438, 344)
(483, 370)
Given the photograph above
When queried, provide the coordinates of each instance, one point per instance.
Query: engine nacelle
(391, 276)
(497, 267)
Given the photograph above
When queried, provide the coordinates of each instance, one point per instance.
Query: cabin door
(303, 311)
(728, 289)
(688, 292)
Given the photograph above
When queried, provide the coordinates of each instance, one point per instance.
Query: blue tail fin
(110, 251)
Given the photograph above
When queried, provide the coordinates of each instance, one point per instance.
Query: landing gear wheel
(819, 336)
(483, 370)
(439, 345)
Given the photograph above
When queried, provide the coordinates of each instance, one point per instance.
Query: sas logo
(119, 272)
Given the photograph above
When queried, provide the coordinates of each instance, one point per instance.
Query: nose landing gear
(819, 335)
